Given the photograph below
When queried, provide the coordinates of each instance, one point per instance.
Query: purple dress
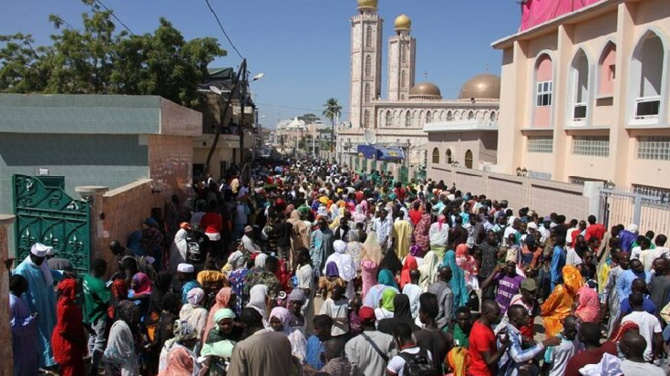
(24, 338)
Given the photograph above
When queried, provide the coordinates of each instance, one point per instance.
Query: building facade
(403, 119)
(585, 95)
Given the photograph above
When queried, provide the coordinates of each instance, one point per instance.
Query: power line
(115, 17)
(223, 30)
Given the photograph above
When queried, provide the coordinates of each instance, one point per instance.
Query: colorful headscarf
(195, 296)
(572, 279)
(409, 265)
(284, 317)
(386, 278)
(623, 328)
(222, 298)
(457, 282)
(180, 363)
(258, 299)
(259, 261)
(297, 295)
(142, 284)
(67, 289)
(183, 331)
(223, 313)
(331, 270)
(387, 299)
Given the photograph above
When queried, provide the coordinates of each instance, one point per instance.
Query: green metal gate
(420, 174)
(46, 214)
(357, 163)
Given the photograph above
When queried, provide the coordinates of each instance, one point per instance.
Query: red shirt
(211, 223)
(359, 196)
(482, 339)
(596, 230)
(591, 356)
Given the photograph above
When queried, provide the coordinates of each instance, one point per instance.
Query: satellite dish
(370, 138)
(216, 90)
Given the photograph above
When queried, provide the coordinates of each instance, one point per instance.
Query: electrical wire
(115, 17)
(223, 30)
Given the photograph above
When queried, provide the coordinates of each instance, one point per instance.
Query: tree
(99, 60)
(333, 111)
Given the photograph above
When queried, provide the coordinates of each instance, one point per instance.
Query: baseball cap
(529, 284)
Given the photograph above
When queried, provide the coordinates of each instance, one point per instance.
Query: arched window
(471, 115)
(468, 159)
(366, 118)
(368, 66)
(448, 156)
(544, 88)
(429, 117)
(403, 79)
(366, 94)
(408, 119)
(450, 116)
(388, 120)
(607, 70)
(580, 86)
(368, 36)
(493, 115)
(403, 53)
(436, 156)
(647, 69)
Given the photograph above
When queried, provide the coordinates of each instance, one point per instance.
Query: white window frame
(653, 148)
(650, 99)
(544, 88)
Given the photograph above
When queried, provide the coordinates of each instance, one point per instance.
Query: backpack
(418, 364)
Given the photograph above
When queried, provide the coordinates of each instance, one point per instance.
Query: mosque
(414, 121)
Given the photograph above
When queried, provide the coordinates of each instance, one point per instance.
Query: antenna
(370, 138)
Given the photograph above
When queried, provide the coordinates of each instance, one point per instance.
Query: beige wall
(170, 164)
(543, 196)
(482, 144)
(589, 30)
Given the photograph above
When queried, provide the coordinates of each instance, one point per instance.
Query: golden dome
(402, 22)
(427, 90)
(481, 86)
(367, 4)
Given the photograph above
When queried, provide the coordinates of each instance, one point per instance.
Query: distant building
(402, 120)
(585, 93)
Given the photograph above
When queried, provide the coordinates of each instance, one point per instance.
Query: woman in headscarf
(391, 262)
(345, 265)
(185, 337)
(359, 214)
(617, 334)
(258, 300)
(119, 356)
(409, 264)
(439, 236)
(402, 313)
(355, 247)
(224, 299)
(236, 279)
(428, 270)
(559, 304)
(180, 363)
(385, 281)
(68, 341)
(220, 342)
(330, 279)
(371, 258)
(588, 308)
(422, 229)
(457, 282)
(296, 300)
(193, 312)
(140, 291)
(469, 266)
(280, 319)
(386, 308)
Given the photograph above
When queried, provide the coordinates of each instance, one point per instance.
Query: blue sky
(302, 46)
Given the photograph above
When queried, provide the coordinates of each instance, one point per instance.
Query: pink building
(585, 92)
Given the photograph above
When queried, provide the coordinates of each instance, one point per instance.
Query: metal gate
(46, 214)
(420, 174)
(403, 174)
(648, 208)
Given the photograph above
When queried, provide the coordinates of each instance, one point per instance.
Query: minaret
(402, 59)
(366, 63)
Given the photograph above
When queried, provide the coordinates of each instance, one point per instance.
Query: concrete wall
(170, 164)
(109, 160)
(543, 196)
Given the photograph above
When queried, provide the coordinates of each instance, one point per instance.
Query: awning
(380, 153)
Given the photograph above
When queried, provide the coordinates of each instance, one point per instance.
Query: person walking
(96, 302)
(68, 339)
(24, 330)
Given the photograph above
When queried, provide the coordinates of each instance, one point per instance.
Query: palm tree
(332, 112)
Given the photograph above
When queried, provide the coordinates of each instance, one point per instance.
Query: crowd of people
(311, 268)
